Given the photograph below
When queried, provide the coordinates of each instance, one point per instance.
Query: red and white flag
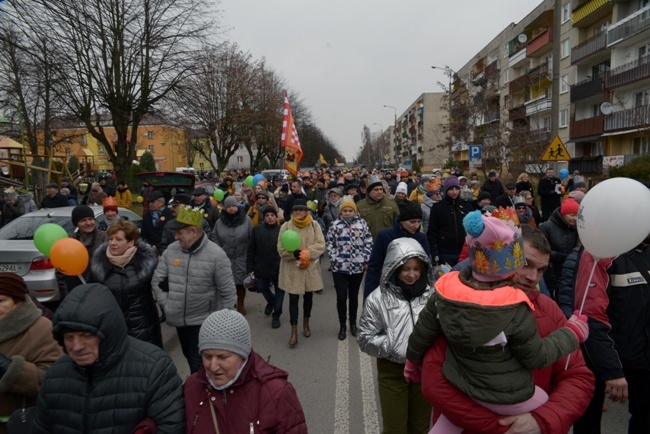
(290, 141)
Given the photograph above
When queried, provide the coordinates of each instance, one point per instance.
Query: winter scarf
(302, 223)
(123, 259)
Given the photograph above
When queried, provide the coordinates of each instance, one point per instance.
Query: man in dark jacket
(12, 208)
(446, 233)
(263, 260)
(53, 199)
(493, 186)
(65, 183)
(155, 220)
(87, 390)
(618, 348)
(296, 193)
(550, 192)
(507, 199)
(201, 200)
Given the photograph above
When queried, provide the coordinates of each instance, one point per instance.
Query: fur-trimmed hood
(144, 261)
(18, 320)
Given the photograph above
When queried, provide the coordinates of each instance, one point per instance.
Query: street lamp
(448, 72)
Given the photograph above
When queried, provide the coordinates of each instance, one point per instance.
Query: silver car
(19, 255)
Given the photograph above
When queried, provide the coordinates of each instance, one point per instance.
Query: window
(564, 49)
(101, 149)
(547, 123)
(642, 98)
(149, 134)
(564, 118)
(566, 12)
(68, 152)
(640, 145)
(595, 110)
(152, 149)
(240, 159)
(564, 83)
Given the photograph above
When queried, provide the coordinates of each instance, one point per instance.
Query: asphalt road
(336, 383)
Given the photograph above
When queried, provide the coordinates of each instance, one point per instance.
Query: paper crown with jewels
(189, 216)
(109, 203)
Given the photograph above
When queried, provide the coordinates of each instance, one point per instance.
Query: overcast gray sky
(348, 58)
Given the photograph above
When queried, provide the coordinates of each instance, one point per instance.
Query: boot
(241, 295)
(353, 328)
(293, 340)
(305, 327)
(342, 332)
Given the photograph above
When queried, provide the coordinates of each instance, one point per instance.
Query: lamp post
(448, 72)
(394, 128)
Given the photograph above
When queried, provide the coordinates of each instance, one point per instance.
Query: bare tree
(120, 57)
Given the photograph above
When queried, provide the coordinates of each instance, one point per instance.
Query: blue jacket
(384, 237)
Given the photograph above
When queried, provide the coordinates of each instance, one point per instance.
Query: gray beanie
(229, 201)
(226, 330)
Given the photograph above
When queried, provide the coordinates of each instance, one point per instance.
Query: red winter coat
(570, 390)
(260, 401)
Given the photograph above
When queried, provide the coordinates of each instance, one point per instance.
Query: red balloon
(69, 256)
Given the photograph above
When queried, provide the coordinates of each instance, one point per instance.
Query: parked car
(269, 174)
(19, 255)
(169, 183)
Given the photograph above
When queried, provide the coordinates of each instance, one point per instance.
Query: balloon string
(584, 298)
(82, 279)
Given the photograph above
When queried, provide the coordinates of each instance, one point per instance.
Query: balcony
(489, 117)
(629, 26)
(628, 73)
(538, 73)
(517, 58)
(458, 91)
(589, 12)
(634, 118)
(538, 105)
(587, 127)
(491, 69)
(587, 88)
(517, 113)
(588, 47)
(543, 41)
(519, 84)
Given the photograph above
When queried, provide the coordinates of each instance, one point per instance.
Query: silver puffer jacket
(388, 319)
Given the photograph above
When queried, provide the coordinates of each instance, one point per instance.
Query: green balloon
(290, 240)
(249, 181)
(46, 235)
(219, 194)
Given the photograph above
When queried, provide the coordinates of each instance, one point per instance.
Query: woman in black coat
(125, 265)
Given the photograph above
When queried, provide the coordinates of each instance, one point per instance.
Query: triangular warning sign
(556, 151)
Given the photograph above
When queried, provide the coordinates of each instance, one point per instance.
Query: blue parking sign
(475, 151)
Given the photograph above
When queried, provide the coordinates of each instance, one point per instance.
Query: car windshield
(23, 228)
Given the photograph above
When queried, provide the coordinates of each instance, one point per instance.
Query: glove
(296, 254)
(578, 325)
(4, 364)
(164, 284)
(412, 372)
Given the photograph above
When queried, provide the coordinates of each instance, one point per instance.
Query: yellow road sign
(556, 151)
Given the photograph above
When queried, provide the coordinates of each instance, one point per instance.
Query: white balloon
(614, 217)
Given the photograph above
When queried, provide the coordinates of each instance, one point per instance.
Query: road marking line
(369, 395)
(342, 403)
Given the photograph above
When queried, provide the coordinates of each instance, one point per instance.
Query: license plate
(12, 268)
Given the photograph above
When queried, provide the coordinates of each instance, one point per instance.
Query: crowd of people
(469, 294)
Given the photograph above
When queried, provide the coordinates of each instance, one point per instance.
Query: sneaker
(275, 323)
(268, 309)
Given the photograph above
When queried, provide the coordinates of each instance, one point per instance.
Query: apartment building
(503, 97)
(419, 134)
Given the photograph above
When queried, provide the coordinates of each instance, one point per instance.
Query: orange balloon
(69, 256)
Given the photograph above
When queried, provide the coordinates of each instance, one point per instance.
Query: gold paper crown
(109, 201)
(189, 216)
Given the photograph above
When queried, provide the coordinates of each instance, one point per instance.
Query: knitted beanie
(229, 201)
(451, 182)
(410, 211)
(401, 188)
(81, 212)
(13, 285)
(269, 209)
(569, 206)
(348, 202)
(226, 330)
(577, 195)
(496, 250)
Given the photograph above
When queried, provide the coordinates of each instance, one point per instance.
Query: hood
(399, 251)
(93, 308)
